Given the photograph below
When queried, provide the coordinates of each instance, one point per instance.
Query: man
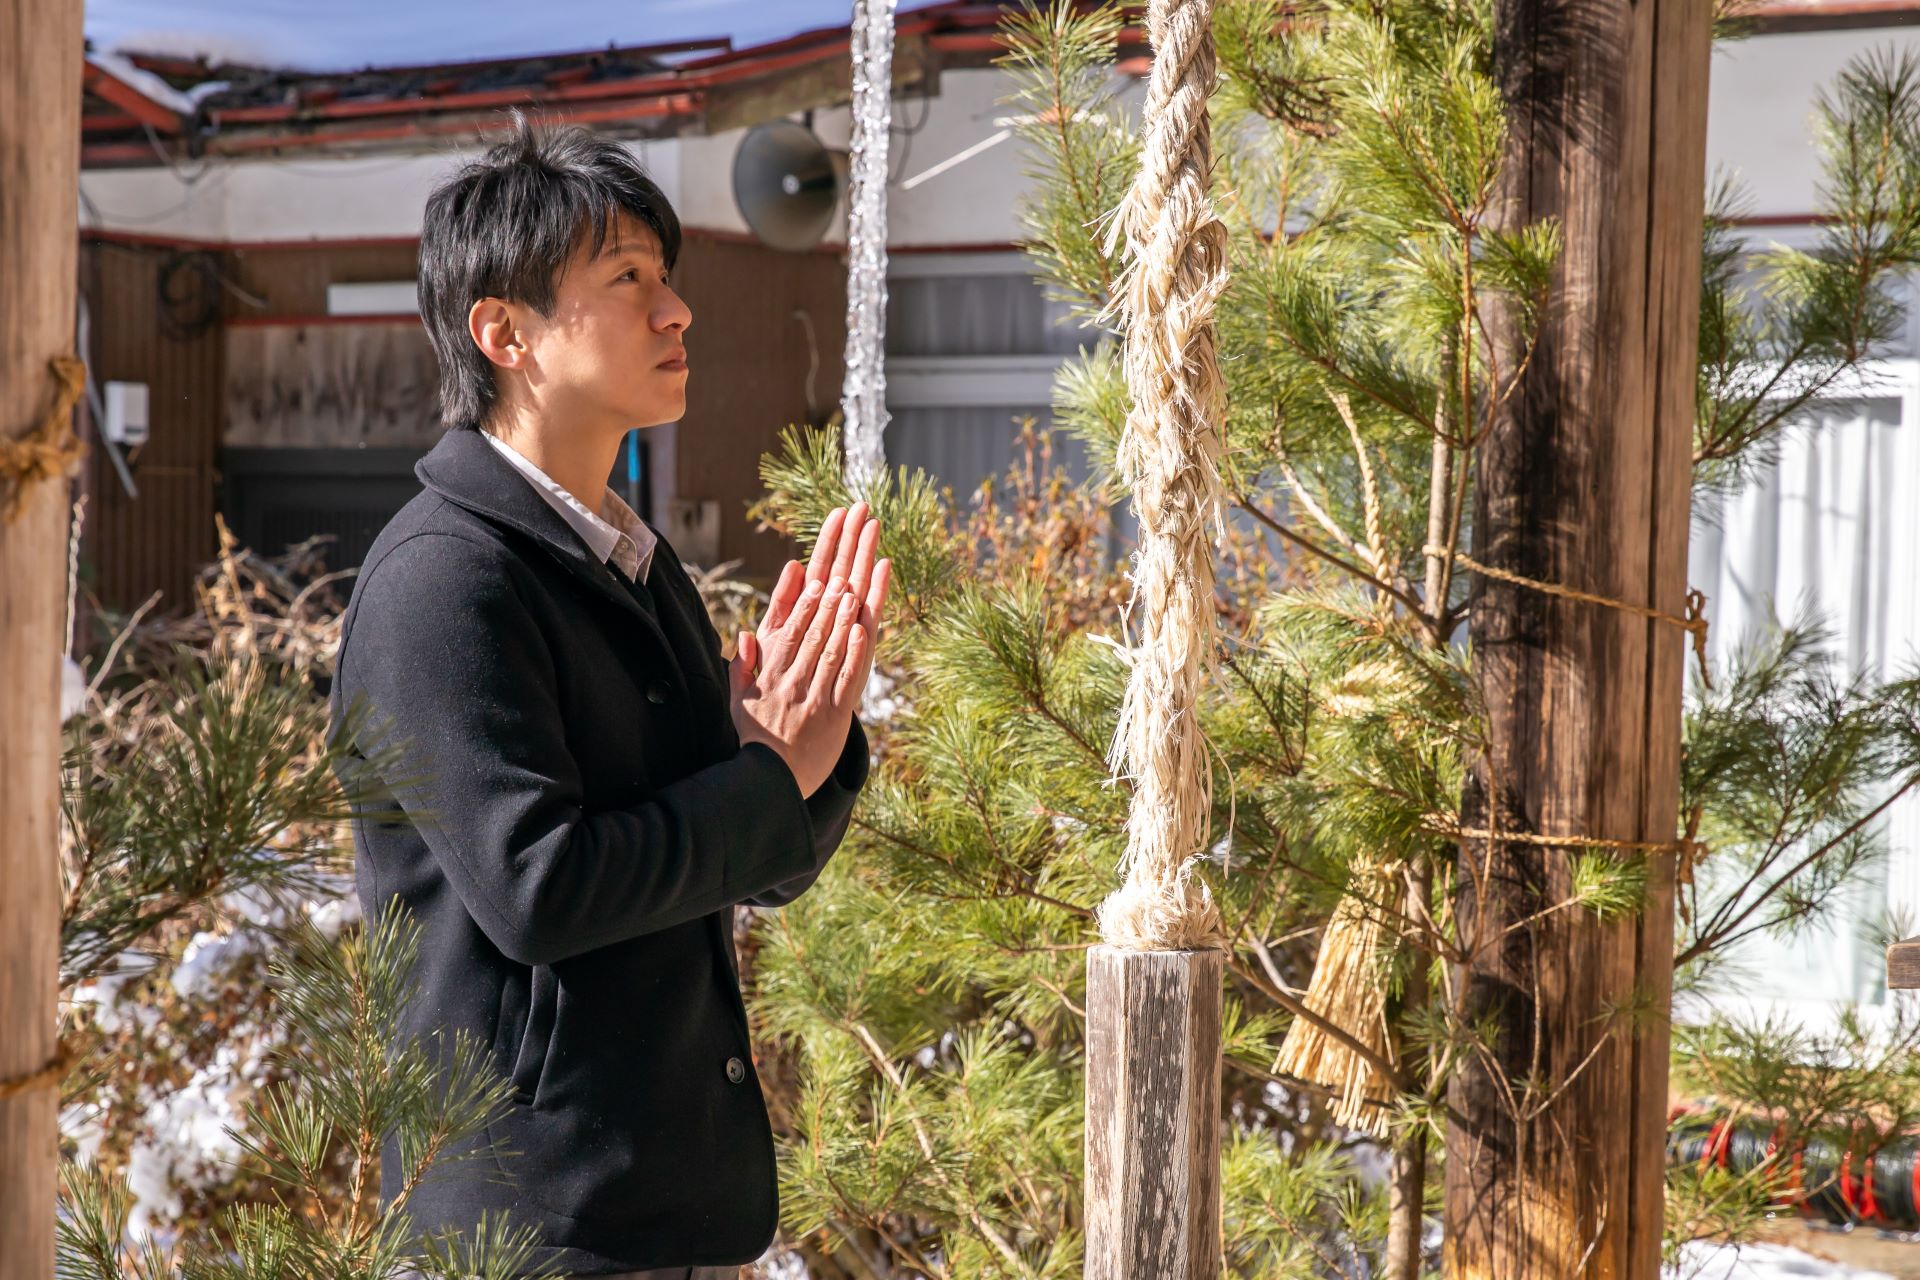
(593, 786)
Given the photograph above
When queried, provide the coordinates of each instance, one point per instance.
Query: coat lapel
(465, 470)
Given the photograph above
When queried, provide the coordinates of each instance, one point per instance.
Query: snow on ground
(73, 689)
(880, 702)
(185, 1135)
(1705, 1261)
(189, 1142)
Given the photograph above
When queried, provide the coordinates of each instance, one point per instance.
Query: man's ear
(494, 329)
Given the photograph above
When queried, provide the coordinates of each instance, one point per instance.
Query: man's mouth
(678, 360)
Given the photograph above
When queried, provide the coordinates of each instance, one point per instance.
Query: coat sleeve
(451, 663)
(831, 811)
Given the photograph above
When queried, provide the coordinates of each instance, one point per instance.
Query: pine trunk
(1583, 480)
(40, 63)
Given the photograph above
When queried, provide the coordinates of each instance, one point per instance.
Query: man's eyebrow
(620, 253)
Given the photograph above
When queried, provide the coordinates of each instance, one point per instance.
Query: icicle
(863, 396)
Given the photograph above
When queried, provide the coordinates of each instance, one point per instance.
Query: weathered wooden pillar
(40, 63)
(1153, 1114)
(1584, 480)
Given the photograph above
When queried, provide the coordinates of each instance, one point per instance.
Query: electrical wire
(905, 136)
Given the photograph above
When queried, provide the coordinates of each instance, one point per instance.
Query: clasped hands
(796, 679)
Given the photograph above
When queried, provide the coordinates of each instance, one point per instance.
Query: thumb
(746, 657)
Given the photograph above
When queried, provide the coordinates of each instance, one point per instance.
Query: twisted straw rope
(48, 448)
(1694, 623)
(47, 1074)
(1169, 455)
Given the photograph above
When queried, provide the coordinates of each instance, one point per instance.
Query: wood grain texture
(133, 546)
(751, 358)
(1584, 480)
(371, 385)
(1903, 965)
(1153, 1114)
(40, 63)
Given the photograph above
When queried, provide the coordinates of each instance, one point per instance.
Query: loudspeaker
(787, 184)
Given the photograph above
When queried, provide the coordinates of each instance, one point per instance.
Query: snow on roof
(228, 108)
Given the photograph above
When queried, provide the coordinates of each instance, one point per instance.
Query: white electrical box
(126, 422)
(376, 298)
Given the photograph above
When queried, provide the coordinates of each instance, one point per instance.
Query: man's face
(611, 351)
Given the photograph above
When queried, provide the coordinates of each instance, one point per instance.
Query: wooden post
(1903, 965)
(40, 63)
(1584, 480)
(1153, 1114)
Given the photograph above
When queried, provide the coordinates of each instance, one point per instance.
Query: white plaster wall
(1759, 129)
(311, 197)
(1761, 107)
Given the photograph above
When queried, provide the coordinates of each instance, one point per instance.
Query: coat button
(736, 1070)
(656, 693)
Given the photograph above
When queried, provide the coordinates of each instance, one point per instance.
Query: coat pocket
(525, 1037)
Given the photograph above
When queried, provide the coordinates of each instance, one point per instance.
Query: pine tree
(926, 993)
(202, 790)
(346, 1091)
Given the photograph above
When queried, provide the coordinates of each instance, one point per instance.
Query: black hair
(504, 225)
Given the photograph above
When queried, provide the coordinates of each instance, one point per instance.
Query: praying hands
(796, 679)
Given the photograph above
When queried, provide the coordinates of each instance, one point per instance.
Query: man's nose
(673, 313)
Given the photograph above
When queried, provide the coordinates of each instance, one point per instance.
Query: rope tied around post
(48, 1073)
(1694, 623)
(1176, 251)
(48, 448)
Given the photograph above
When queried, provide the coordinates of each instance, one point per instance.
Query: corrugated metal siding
(135, 546)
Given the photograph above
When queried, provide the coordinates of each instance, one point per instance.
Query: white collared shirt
(616, 535)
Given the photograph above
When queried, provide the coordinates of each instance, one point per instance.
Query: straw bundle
(1177, 257)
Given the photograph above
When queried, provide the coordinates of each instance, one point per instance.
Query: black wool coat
(582, 820)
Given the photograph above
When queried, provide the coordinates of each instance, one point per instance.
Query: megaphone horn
(786, 184)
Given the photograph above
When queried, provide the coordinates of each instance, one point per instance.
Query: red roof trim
(106, 86)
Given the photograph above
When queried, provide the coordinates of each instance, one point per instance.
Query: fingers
(746, 658)
(861, 574)
(781, 644)
(837, 653)
(786, 592)
(876, 596)
(851, 531)
(824, 547)
(802, 612)
(828, 631)
(852, 677)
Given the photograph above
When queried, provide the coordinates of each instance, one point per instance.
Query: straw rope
(1347, 990)
(47, 449)
(1694, 623)
(1176, 250)
(48, 1074)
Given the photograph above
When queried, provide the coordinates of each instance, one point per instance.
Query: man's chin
(658, 416)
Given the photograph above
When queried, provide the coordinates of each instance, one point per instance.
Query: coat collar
(465, 470)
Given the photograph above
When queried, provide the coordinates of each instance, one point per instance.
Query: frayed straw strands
(1176, 249)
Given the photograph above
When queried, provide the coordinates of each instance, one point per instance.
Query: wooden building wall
(273, 372)
(298, 378)
(134, 546)
(748, 353)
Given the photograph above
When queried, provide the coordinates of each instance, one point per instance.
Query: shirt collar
(616, 535)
